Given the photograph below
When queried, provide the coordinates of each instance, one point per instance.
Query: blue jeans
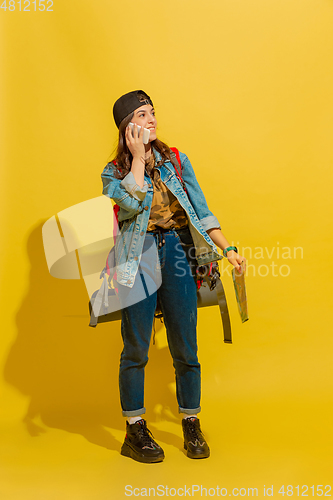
(177, 295)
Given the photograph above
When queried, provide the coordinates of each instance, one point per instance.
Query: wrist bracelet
(226, 250)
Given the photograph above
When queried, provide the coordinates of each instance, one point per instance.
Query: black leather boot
(194, 441)
(140, 445)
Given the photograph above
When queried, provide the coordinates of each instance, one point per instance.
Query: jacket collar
(166, 167)
(158, 158)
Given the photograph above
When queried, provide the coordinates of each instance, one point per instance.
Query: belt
(167, 229)
(160, 230)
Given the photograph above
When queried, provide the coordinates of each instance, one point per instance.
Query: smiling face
(145, 117)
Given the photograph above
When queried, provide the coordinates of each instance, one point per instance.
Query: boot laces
(194, 430)
(146, 435)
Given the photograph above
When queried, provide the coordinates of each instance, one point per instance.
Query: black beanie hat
(128, 103)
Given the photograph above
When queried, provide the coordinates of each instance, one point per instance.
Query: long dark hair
(123, 156)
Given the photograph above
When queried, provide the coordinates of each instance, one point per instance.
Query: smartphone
(146, 133)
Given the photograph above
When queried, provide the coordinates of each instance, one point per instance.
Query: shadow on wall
(70, 370)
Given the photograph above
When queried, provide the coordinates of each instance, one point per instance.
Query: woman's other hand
(235, 259)
(134, 141)
(220, 240)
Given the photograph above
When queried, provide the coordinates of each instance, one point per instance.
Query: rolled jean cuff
(189, 411)
(133, 413)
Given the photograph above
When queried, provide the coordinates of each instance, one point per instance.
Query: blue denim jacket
(135, 204)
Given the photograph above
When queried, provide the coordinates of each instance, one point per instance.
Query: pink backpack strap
(179, 174)
(175, 150)
(116, 209)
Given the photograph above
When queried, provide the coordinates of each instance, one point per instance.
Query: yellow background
(244, 88)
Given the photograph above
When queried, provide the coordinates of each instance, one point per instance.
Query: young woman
(165, 232)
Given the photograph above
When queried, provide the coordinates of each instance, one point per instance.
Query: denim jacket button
(146, 207)
(136, 258)
(142, 233)
(128, 281)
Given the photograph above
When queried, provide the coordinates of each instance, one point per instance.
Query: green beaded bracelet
(226, 250)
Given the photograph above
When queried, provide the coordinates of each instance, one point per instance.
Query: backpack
(208, 273)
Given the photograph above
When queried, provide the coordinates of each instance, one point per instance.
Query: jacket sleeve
(196, 196)
(126, 192)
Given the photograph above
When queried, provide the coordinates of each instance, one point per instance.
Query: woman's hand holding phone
(137, 148)
(134, 141)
